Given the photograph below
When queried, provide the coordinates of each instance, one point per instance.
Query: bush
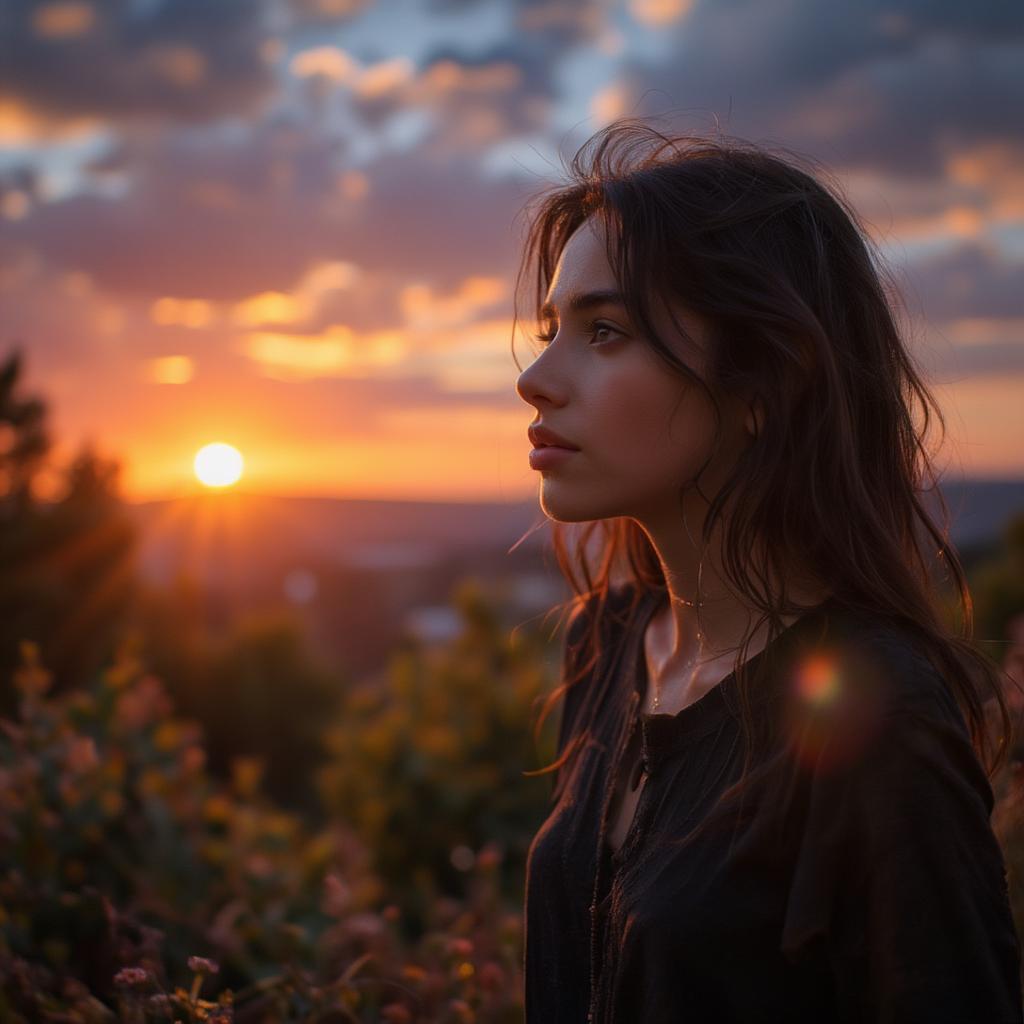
(444, 737)
(122, 860)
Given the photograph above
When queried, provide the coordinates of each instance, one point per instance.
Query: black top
(858, 879)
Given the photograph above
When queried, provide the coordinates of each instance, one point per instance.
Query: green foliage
(258, 693)
(430, 758)
(120, 857)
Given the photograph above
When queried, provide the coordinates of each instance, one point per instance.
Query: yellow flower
(215, 851)
(217, 808)
(167, 736)
(31, 678)
(92, 833)
(122, 672)
(280, 826)
(152, 783)
(318, 852)
(115, 765)
(112, 803)
(69, 792)
(246, 773)
(56, 951)
(74, 872)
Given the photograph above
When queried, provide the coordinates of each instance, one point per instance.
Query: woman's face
(641, 430)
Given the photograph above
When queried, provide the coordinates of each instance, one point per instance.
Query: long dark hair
(801, 313)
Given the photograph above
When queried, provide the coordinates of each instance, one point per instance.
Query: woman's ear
(754, 420)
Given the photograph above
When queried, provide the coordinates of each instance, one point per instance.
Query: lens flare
(837, 702)
(818, 681)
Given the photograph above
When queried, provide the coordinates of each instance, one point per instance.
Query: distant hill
(979, 509)
(362, 573)
(253, 531)
(250, 529)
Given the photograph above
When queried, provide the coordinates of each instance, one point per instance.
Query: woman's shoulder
(863, 668)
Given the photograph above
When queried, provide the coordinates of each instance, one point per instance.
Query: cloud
(59, 20)
(912, 113)
(335, 352)
(972, 281)
(324, 12)
(424, 310)
(171, 369)
(255, 215)
(189, 60)
(881, 86)
(659, 13)
(470, 103)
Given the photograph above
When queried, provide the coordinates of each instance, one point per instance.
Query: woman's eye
(592, 329)
(596, 328)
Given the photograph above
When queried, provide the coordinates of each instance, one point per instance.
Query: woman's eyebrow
(585, 300)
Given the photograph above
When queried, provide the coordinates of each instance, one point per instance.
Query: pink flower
(462, 1011)
(460, 947)
(81, 755)
(365, 925)
(490, 856)
(145, 702)
(492, 977)
(201, 965)
(337, 895)
(131, 977)
(192, 759)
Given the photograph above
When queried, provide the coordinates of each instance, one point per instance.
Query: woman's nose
(539, 383)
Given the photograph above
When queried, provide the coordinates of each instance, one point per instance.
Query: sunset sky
(292, 226)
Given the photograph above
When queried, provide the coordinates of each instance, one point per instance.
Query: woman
(769, 803)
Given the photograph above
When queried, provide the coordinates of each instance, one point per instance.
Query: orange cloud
(171, 312)
(426, 311)
(183, 66)
(63, 20)
(335, 352)
(446, 76)
(302, 302)
(995, 170)
(15, 205)
(270, 308)
(659, 13)
(325, 61)
(20, 125)
(170, 370)
(609, 103)
(385, 77)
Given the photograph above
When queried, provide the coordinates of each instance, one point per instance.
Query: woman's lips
(550, 455)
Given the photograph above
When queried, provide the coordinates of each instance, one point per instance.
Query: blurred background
(270, 537)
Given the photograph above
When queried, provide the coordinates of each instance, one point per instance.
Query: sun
(218, 465)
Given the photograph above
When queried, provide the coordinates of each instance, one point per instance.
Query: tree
(24, 440)
(67, 567)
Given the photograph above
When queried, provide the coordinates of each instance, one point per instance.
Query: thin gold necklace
(657, 688)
